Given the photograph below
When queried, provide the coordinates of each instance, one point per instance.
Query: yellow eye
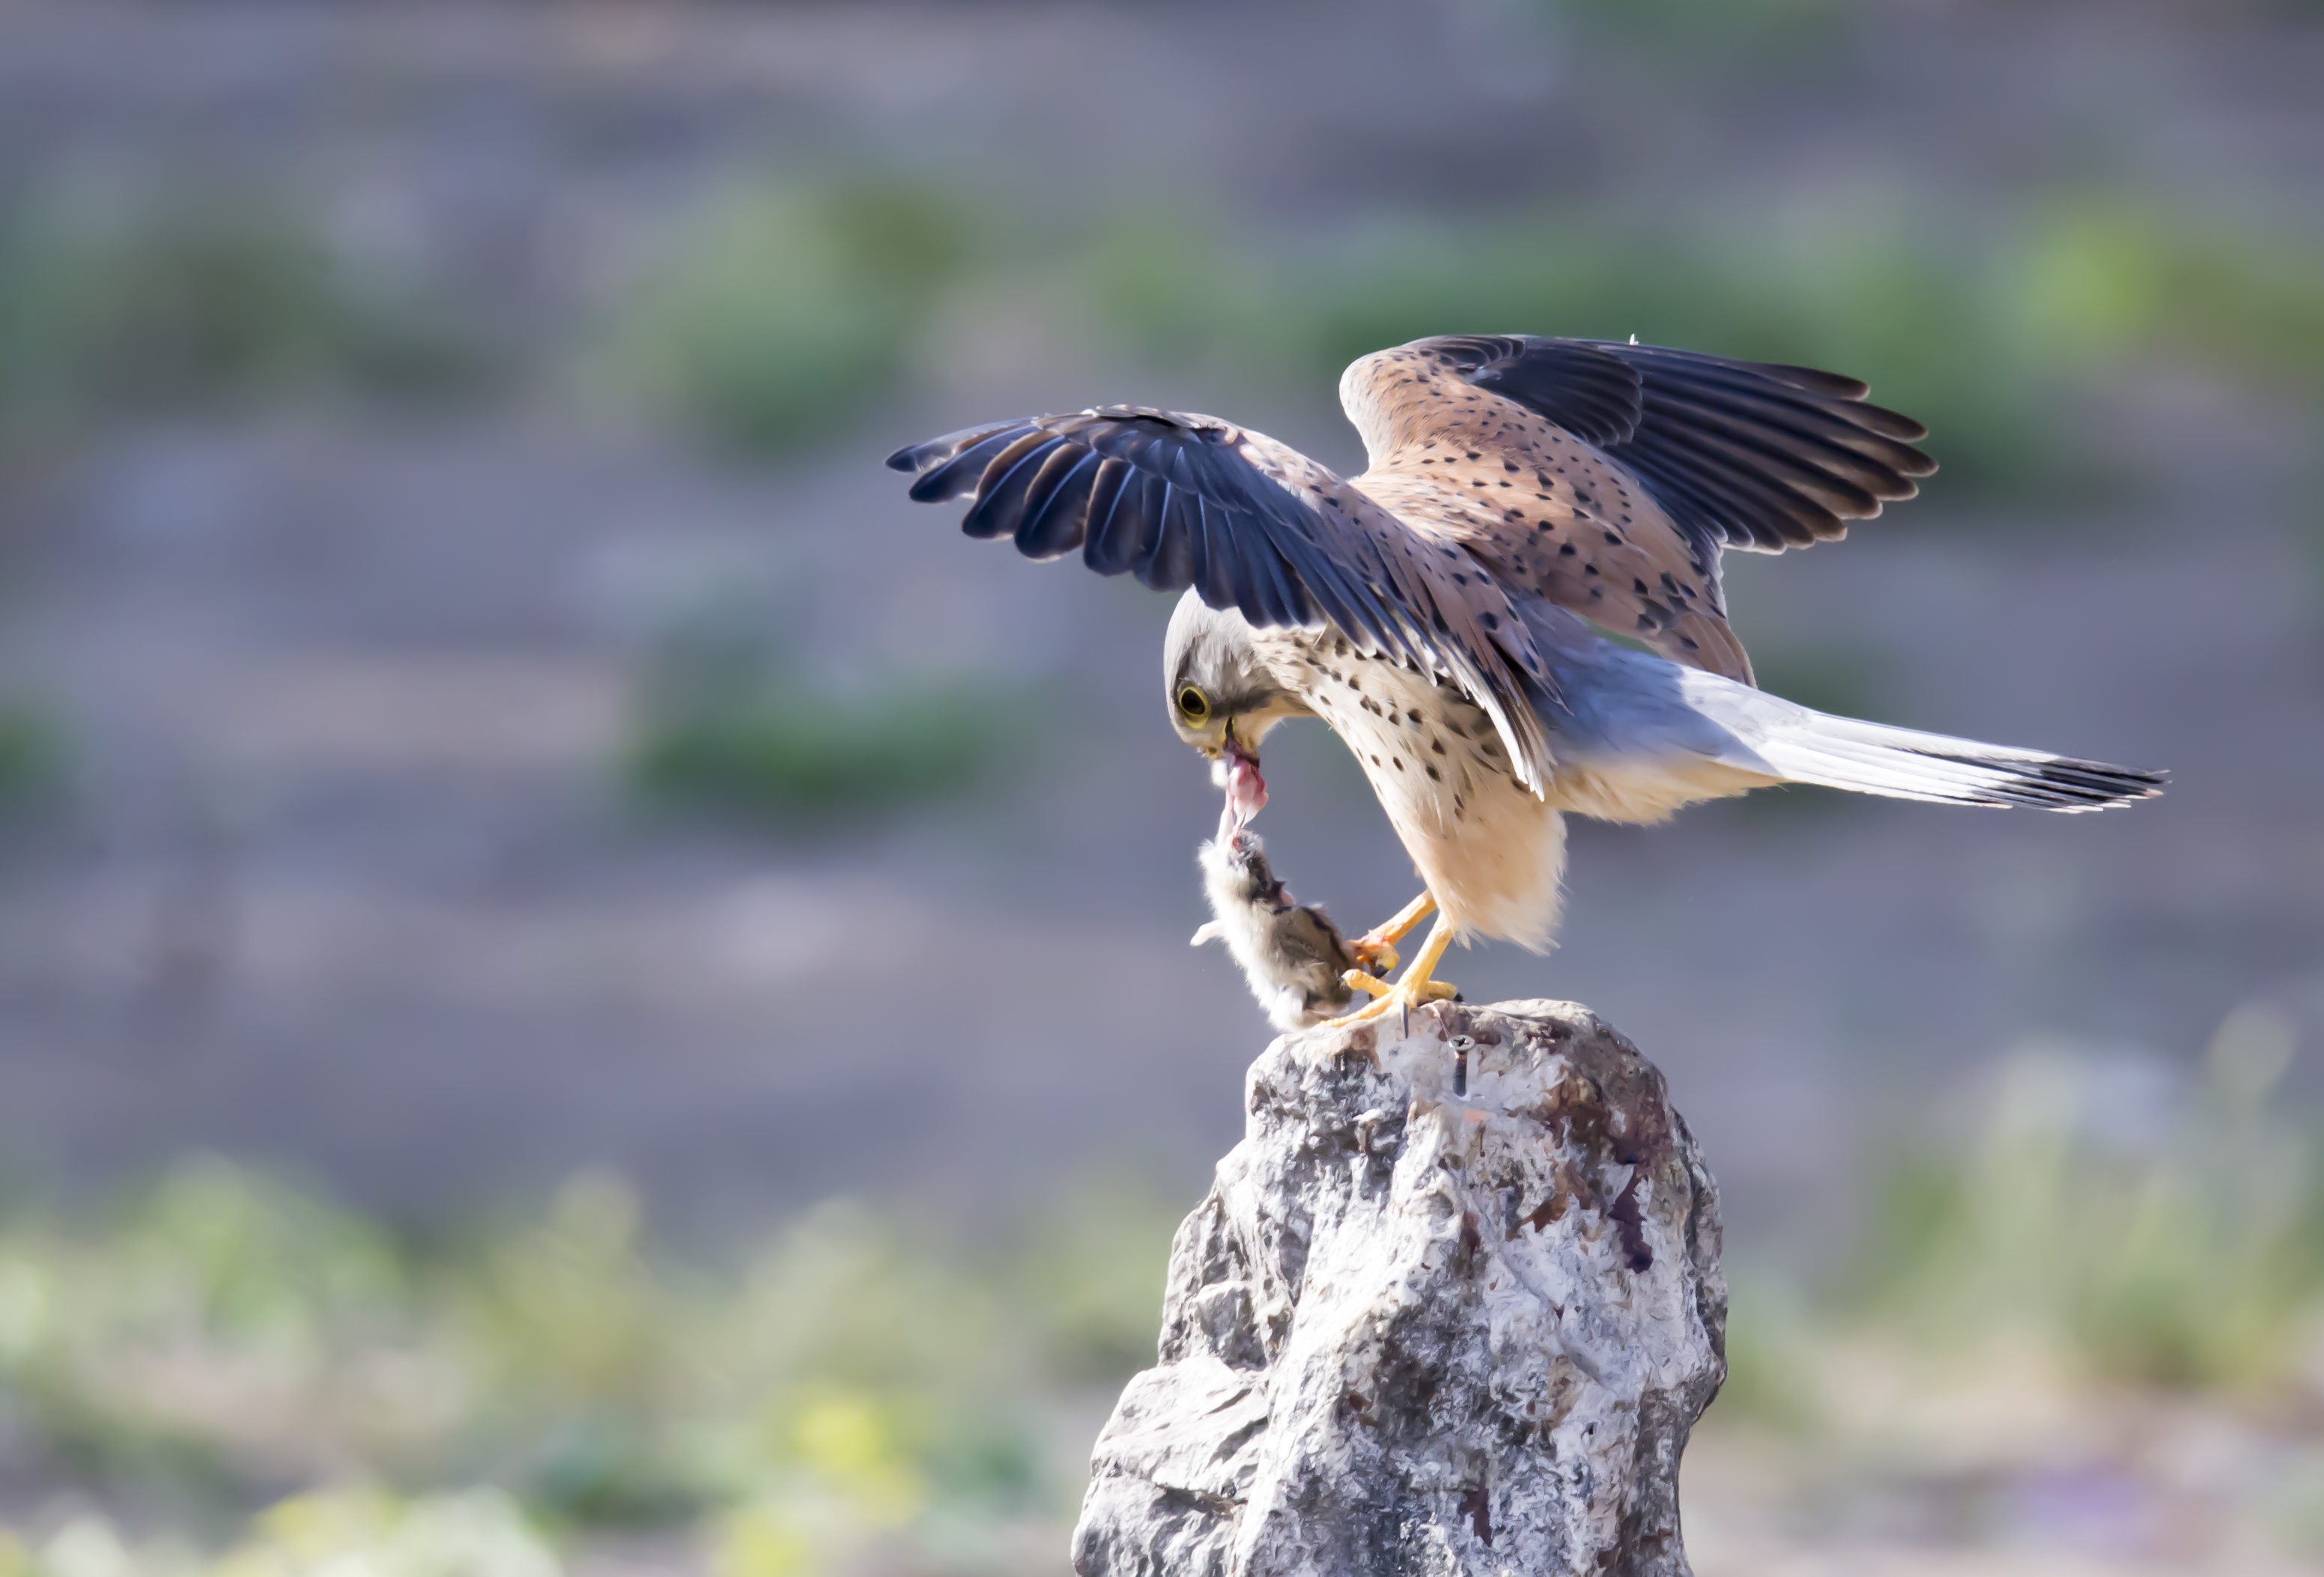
(1194, 704)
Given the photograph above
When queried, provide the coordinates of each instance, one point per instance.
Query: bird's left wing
(1605, 477)
(1181, 501)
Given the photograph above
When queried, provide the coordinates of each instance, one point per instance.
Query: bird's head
(1222, 698)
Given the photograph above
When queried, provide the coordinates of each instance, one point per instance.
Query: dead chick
(1292, 953)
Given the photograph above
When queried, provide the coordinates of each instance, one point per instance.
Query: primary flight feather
(1444, 612)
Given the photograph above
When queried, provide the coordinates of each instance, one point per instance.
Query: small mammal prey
(1293, 957)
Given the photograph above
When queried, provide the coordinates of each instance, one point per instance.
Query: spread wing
(1606, 477)
(1185, 500)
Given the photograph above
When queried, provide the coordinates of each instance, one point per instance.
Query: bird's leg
(1376, 950)
(1418, 984)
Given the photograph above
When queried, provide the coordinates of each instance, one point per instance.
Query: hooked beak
(1226, 751)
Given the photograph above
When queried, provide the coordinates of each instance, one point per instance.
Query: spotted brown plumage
(1446, 612)
(1606, 478)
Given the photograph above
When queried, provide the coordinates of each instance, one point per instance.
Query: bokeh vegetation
(768, 323)
(290, 1385)
(780, 313)
(759, 730)
(2120, 1257)
(2154, 1235)
(201, 300)
(481, 1400)
(786, 753)
(32, 755)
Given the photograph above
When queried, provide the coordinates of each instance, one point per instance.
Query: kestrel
(1447, 612)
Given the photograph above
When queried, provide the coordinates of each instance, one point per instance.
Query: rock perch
(1452, 1307)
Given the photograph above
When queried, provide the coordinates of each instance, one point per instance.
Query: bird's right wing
(1181, 501)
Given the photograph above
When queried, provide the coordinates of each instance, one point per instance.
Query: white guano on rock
(1451, 1308)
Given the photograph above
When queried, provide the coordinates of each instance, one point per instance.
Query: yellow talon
(1418, 984)
(1356, 979)
(1375, 949)
(1373, 946)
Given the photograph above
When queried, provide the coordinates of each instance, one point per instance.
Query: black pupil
(1192, 700)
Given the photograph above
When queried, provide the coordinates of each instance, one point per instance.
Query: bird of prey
(1446, 613)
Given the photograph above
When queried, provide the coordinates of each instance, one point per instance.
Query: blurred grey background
(419, 416)
(473, 712)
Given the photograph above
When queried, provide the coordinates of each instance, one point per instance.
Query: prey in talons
(1300, 966)
(1417, 986)
(1376, 948)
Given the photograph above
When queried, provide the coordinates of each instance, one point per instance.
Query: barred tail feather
(1903, 763)
(1651, 735)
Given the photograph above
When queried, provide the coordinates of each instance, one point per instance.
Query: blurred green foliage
(355, 1532)
(1771, 1337)
(784, 750)
(2106, 283)
(1922, 327)
(741, 713)
(2109, 1231)
(782, 314)
(2183, 1248)
(197, 300)
(1996, 341)
(488, 1399)
(1100, 1304)
(2122, 1258)
(32, 754)
(472, 1533)
(471, 1402)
